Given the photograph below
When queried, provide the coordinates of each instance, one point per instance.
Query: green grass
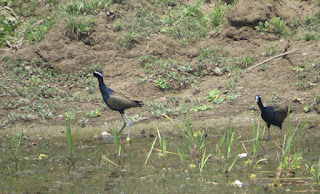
(270, 51)
(314, 172)
(37, 29)
(290, 157)
(87, 7)
(279, 26)
(79, 27)
(33, 91)
(129, 40)
(15, 142)
(244, 62)
(9, 22)
(94, 113)
(117, 145)
(263, 27)
(310, 36)
(163, 147)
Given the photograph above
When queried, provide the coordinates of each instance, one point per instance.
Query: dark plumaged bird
(115, 100)
(272, 115)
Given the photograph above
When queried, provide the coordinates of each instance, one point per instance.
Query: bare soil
(275, 82)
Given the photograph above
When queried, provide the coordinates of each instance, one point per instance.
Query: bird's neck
(103, 88)
(262, 108)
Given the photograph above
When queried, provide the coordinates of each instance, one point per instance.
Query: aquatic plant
(256, 145)
(182, 157)
(315, 173)
(149, 153)
(228, 140)
(69, 136)
(15, 144)
(163, 146)
(203, 160)
(288, 162)
(117, 145)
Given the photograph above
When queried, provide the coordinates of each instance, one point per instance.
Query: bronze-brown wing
(118, 101)
(281, 113)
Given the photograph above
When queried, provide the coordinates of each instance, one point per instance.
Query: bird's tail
(291, 110)
(140, 103)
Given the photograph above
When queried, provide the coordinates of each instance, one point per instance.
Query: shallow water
(45, 165)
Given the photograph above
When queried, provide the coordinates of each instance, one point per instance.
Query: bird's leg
(124, 124)
(130, 124)
(268, 138)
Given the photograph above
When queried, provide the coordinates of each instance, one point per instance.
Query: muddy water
(45, 164)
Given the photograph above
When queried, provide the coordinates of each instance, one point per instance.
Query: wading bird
(116, 101)
(272, 115)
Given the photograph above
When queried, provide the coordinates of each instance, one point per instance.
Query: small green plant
(204, 160)
(181, 156)
(87, 7)
(129, 40)
(214, 97)
(245, 61)
(9, 22)
(195, 140)
(309, 36)
(256, 145)
(36, 30)
(94, 113)
(69, 136)
(79, 27)
(270, 51)
(313, 21)
(216, 18)
(151, 148)
(187, 24)
(306, 109)
(228, 140)
(262, 27)
(315, 173)
(161, 83)
(316, 101)
(232, 97)
(163, 147)
(298, 69)
(289, 161)
(67, 119)
(15, 144)
(279, 26)
(201, 108)
(117, 145)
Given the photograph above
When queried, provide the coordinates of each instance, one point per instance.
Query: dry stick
(272, 58)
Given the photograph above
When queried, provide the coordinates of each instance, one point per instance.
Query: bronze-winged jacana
(272, 115)
(116, 101)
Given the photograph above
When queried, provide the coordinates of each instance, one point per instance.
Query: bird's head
(97, 74)
(257, 98)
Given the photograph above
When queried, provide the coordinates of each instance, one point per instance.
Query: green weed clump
(79, 27)
(33, 89)
(263, 27)
(314, 173)
(15, 142)
(169, 74)
(245, 61)
(9, 22)
(279, 26)
(188, 24)
(88, 7)
(36, 30)
(290, 157)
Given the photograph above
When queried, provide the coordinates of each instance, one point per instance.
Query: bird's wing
(281, 113)
(118, 101)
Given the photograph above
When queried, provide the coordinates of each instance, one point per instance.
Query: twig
(286, 53)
